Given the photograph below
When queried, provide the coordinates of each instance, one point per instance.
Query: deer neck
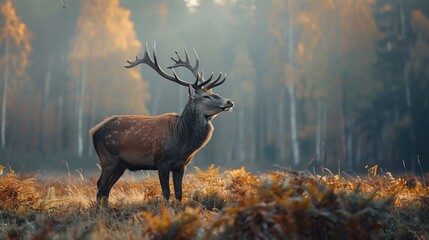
(193, 128)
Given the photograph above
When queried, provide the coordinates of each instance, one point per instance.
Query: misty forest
(328, 137)
(339, 84)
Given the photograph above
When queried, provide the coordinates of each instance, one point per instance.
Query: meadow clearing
(230, 204)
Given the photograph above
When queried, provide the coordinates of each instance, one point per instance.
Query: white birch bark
(251, 149)
(94, 97)
(80, 112)
(76, 113)
(291, 90)
(4, 99)
(293, 127)
(349, 149)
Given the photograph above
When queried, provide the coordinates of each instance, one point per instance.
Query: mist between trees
(337, 83)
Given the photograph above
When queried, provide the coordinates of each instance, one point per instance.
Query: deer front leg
(164, 178)
(177, 182)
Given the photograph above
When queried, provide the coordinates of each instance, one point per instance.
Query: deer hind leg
(109, 176)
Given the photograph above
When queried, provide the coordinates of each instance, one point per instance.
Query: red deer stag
(167, 142)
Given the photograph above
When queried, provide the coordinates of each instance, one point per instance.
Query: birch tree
(15, 45)
(283, 28)
(243, 74)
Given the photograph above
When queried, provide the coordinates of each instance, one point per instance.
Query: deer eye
(207, 97)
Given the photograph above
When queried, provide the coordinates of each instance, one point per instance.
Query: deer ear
(190, 93)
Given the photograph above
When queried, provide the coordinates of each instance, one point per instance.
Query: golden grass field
(233, 204)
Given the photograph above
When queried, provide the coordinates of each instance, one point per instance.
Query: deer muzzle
(228, 107)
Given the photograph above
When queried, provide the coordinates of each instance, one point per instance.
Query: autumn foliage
(105, 38)
(234, 204)
(18, 35)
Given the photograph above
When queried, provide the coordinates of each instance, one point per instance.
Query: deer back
(134, 137)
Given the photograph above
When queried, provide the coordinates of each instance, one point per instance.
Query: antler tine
(186, 63)
(204, 82)
(200, 78)
(196, 81)
(177, 77)
(146, 51)
(186, 55)
(197, 59)
(133, 63)
(138, 59)
(216, 83)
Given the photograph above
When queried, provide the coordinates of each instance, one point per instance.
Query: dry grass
(232, 204)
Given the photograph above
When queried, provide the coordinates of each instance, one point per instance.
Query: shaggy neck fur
(194, 129)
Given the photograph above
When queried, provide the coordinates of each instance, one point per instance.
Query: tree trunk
(291, 86)
(4, 100)
(281, 141)
(412, 134)
(92, 115)
(342, 120)
(251, 139)
(59, 117)
(260, 124)
(293, 126)
(349, 148)
(60, 141)
(80, 112)
(45, 107)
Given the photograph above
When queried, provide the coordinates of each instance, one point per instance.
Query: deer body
(141, 142)
(166, 143)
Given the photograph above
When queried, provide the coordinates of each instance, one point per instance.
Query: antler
(187, 64)
(216, 82)
(153, 63)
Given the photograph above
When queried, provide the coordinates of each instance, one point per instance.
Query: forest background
(342, 84)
